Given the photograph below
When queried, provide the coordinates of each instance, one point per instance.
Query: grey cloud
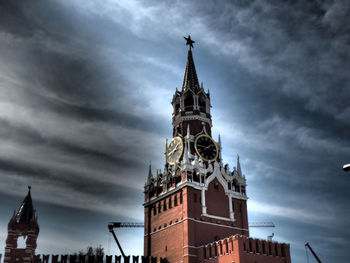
(84, 91)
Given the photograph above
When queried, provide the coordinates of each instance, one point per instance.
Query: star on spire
(189, 41)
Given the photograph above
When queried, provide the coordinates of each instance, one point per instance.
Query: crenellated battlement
(90, 259)
(228, 249)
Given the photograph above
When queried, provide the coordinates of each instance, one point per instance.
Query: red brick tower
(24, 224)
(197, 199)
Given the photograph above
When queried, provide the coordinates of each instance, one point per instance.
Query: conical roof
(26, 212)
(190, 78)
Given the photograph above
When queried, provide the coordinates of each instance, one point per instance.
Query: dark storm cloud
(64, 123)
(84, 91)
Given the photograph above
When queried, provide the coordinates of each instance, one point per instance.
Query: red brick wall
(242, 251)
(216, 200)
(167, 228)
(177, 232)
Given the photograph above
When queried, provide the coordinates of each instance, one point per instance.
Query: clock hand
(171, 152)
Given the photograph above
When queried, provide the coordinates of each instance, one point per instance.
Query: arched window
(189, 102)
(201, 103)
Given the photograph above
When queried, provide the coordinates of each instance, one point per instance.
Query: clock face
(174, 150)
(206, 148)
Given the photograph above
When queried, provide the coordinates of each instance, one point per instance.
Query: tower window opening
(220, 248)
(276, 250)
(196, 178)
(250, 246)
(175, 200)
(189, 102)
(202, 104)
(159, 190)
(226, 244)
(210, 252)
(21, 242)
(263, 247)
(164, 205)
(257, 246)
(154, 211)
(216, 250)
(194, 198)
(270, 250)
(177, 107)
(205, 252)
(177, 179)
(181, 197)
(159, 207)
(283, 251)
(170, 205)
(233, 205)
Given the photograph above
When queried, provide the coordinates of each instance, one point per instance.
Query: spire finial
(189, 41)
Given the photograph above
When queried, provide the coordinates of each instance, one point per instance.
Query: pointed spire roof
(150, 175)
(26, 212)
(190, 78)
(239, 166)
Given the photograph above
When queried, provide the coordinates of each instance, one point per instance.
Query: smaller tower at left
(23, 224)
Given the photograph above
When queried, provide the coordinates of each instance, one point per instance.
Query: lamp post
(346, 167)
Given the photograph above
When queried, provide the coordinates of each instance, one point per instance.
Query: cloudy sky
(85, 91)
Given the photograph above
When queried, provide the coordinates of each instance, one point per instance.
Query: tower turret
(23, 223)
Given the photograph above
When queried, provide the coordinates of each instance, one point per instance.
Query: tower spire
(150, 175)
(190, 78)
(239, 166)
(26, 212)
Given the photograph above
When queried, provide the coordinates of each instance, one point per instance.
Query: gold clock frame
(182, 150)
(216, 146)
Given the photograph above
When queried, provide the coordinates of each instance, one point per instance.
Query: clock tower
(196, 199)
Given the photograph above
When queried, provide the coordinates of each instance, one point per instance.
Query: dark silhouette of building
(23, 223)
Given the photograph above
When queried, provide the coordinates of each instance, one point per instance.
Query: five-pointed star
(189, 41)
